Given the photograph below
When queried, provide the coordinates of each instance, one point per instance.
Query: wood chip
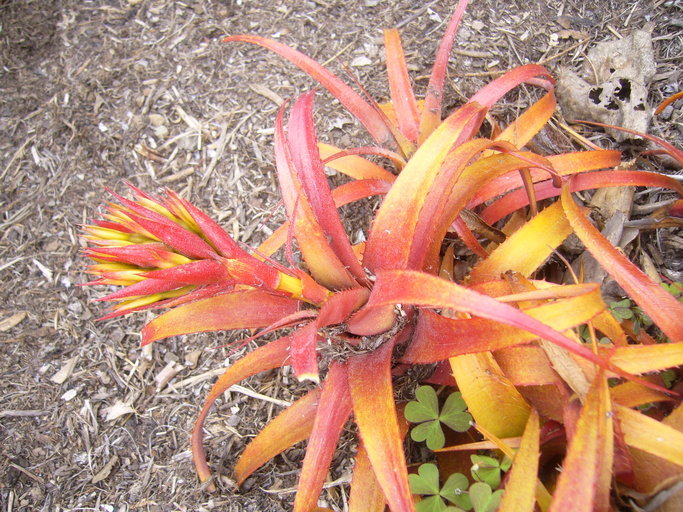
(65, 371)
(267, 93)
(164, 376)
(7, 323)
(106, 470)
(117, 410)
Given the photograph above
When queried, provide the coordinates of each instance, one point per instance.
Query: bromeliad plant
(359, 315)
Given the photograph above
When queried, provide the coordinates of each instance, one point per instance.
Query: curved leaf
(244, 309)
(321, 259)
(657, 303)
(431, 110)
(332, 413)
(520, 489)
(492, 92)
(419, 288)
(353, 166)
(373, 407)
(361, 109)
(388, 244)
(266, 357)
(291, 426)
(402, 96)
(546, 189)
(584, 483)
(366, 494)
(303, 146)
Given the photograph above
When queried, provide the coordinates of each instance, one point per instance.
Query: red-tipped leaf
(333, 411)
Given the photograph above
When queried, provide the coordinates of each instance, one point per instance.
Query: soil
(96, 93)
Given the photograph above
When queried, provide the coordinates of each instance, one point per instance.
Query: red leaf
(266, 357)
(373, 406)
(437, 338)
(418, 288)
(237, 310)
(373, 121)
(545, 189)
(303, 146)
(402, 96)
(431, 110)
(495, 90)
(194, 273)
(304, 354)
(657, 303)
(322, 260)
(223, 242)
(291, 426)
(333, 411)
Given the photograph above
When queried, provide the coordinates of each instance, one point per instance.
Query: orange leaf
(388, 244)
(333, 410)
(528, 248)
(245, 309)
(527, 125)
(373, 406)
(630, 394)
(584, 482)
(266, 357)
(402, 96)
(366, 494)
(353, 166)
(291, 426)
(520, 489)
(657, 303)
(650, 435)
(342, 195)
(638, 359)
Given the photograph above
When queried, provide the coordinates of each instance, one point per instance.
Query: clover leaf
(622, 309)
(483, 499)
(487, 469)
(426, 483)
(425, 412)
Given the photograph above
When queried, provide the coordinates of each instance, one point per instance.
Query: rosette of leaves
(424, 411)
(446, 181)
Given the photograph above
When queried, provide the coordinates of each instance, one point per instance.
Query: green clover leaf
(426, 483)
(455, 491)
(483, 499)
(621, 310)
(425, 412)
(487, 469)
(675, 289)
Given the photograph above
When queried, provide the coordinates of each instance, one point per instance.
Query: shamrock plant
(456, 494)
(425, 412)
(488, 469)
(454, 491)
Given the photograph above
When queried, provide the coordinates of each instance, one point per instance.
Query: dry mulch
(94, 93)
